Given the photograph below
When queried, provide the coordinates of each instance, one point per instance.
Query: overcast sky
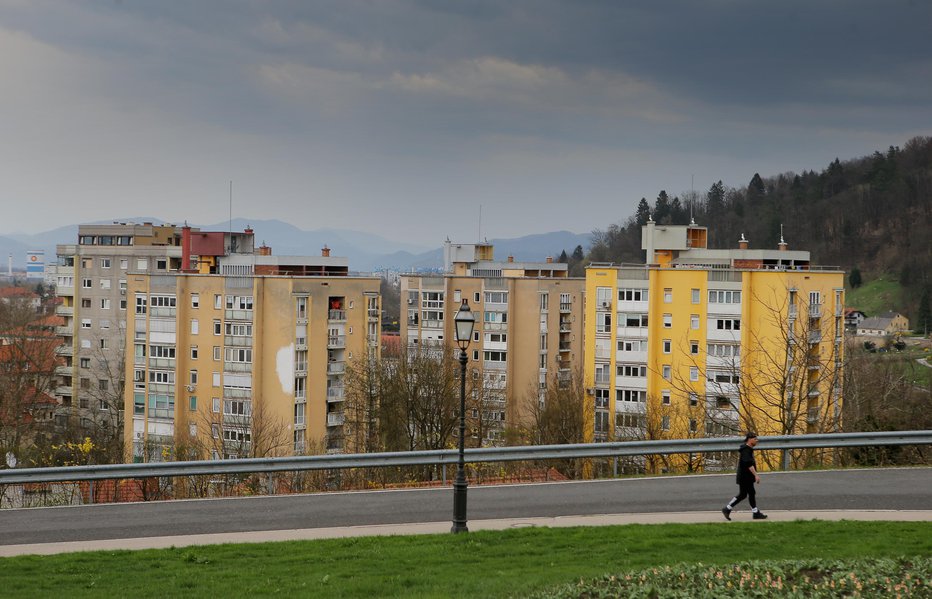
(401, 117)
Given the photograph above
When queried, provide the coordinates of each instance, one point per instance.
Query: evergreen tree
(578, 254)
(643, 212)
(662, 208)
(563, 258)
(756, 187)
(677, 212)
(854, 279)
(924, 317)
(715, 199)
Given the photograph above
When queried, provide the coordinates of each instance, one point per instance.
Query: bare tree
(27, 376)
(559, 415)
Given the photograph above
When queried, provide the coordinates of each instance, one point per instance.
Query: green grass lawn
(876, 296)
(479, 564)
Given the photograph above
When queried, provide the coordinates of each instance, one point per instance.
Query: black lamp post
(465, 321)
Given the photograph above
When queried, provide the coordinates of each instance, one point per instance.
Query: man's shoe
(727, 513)
(760, 516)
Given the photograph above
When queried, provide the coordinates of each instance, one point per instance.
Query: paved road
(882, 489)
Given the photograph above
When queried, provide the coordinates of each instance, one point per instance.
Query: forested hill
(873, 213)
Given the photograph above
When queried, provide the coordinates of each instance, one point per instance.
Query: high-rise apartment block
(244, 355)
(529, 326)
(701, 342)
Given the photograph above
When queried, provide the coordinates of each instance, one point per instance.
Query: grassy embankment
(479, 564)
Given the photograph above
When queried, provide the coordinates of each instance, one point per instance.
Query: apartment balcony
(64, 370)
(63, 390)
(794, 311)
(64, 310)
(336, 341)
(815, 336)
(162, 312)
(237, 419)
(565, 347)
(372, 313)
(300, 368)
(815, 310)
(839, 310)
(237, 341)
(64, 331)
(566, 327)
(63, 291)
(566, 308)
(164, 363)
(336, 316)
(335, 394)
(487, 365)
(237, 367)
(64, 350)
(334, 368)
(238, 315)
(335, 419)
(813, 393)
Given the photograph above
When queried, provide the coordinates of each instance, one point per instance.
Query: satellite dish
(10, 459)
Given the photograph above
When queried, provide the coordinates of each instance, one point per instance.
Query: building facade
(700, 342)
(244, 365)
(529, 329)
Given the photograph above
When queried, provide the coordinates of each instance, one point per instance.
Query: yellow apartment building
(246, 364)
(700, 342)
(529, 328)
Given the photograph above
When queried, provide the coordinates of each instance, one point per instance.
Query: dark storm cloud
(519, 103)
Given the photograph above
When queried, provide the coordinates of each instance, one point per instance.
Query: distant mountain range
(366, 252)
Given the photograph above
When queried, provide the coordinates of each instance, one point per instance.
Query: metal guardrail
(449, 456)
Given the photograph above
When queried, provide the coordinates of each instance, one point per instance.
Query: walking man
(747, 476)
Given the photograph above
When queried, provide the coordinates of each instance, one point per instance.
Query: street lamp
(465, 321)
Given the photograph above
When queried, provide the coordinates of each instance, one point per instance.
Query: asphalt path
(877, 489)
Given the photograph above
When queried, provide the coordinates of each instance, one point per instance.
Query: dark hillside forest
(872, 213)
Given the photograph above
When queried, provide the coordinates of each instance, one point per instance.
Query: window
(694, 322)
(85, 302)
(85, 323)
(695, 296)
(724, 378)
(667, 321)
(630, 395)
(123, 304)
(103, 384)
(299, 414)
(161, 264)
(631, 370)
(239, 302)
(215, 405)
(241, 354)
(475, 354)
(496, 297)
(693, 399)
(603, 322)
(476, 297)
(728, 324)
(721, 296)
(87, 263)
(195, 300)
(301, 308)
(104, 304)
(632, 320)
(215, 431)
(668, 296)
(105, 262)
(142, 264)
(87, 283)
(162, 376)
(632, 295)
(216, 353)
(724, 350)
(626, 345)
(192, 403)
(665, 397)
(665, 423)
(217, 328)
(667, 372)
(162, 351)
(124, 263)
(693, 373)
(667, 346)
(692, 425)
(194, 326)
(215, 378)
(236, 329)
(194, 352)
(105, 283)
(193, 377)
(104, 344)
(603, 299)
(544, 301)
(694, 348)
(141, 301)
(85, 362)
(218, 302)
(494, 356)
(300, 388)
(162, 301)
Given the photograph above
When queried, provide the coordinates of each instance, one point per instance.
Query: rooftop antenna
(480, 221)
(692, 197)
(231, 217)
(781, 233)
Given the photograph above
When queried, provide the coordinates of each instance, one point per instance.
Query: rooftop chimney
(742, 243)
(325, 252)
(248, 230)
(782, 246)
(265, 250)
(511, 258)
(549, 259)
